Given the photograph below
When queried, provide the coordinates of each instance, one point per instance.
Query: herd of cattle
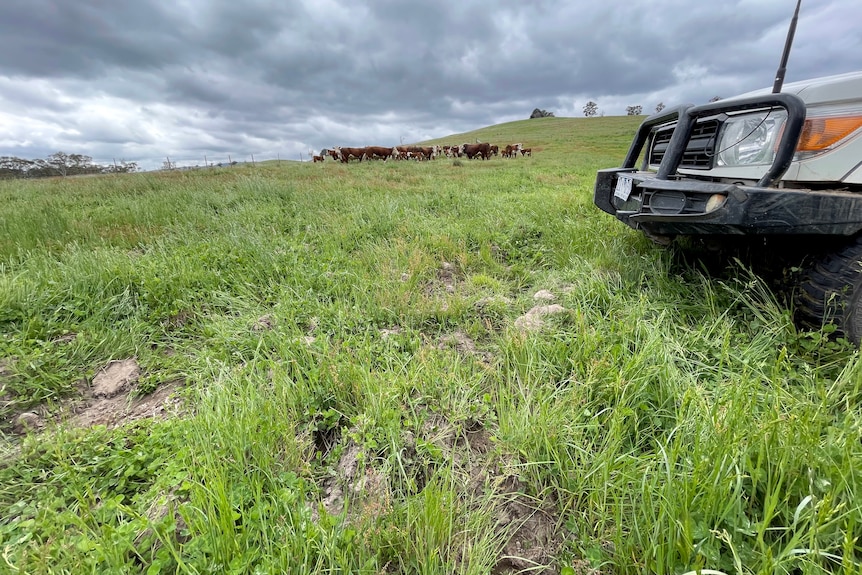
(419, 153)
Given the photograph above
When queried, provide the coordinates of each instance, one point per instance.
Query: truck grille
(698, 153)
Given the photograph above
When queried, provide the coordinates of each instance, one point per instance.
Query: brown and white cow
(375, 152)
(482, 150)
(346, 153)
(425, 152)
(511, 150)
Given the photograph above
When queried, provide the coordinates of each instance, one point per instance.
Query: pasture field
(401, 367)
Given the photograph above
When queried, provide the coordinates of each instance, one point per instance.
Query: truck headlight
(750, 139)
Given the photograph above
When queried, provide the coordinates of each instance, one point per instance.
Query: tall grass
(359, 400)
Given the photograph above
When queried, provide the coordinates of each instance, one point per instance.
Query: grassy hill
(405, 367)
(555, 134)
(564, 141)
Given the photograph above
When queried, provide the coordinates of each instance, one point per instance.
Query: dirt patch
(5, 372)
(386, 333)
(445, 280)
(263, 323)
(115, 378)
(166, 504)
(5, 376)
(358, 490)
(532, 524)
(534, 538)
(446, 276)
(493, 301)
(111, 400)
(312, 325)
(27, 422)
(462, 343)
(125, 408)
(363, 488)
(179, 320)
(65, 338)
(534, 320)
(544, 295)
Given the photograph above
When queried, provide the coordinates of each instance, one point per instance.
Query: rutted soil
(530, 524)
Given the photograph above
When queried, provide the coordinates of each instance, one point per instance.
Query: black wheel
(830, 291)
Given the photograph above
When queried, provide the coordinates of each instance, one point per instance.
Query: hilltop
(558, 135)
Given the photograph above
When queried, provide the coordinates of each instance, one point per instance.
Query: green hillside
(555, 135)
(405, 367)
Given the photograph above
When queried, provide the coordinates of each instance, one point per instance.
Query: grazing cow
(472, 150)
(527, 152)
(426, 152)
(347, 153)
(375, 152)
(316, 159)
(511, 150)
(331, 153)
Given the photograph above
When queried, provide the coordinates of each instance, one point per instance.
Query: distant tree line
(59, 164)
(592, 109)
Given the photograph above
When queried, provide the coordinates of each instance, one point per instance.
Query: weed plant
(359, 399)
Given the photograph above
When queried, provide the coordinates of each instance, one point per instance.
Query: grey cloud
(219, 75)
(54, 38)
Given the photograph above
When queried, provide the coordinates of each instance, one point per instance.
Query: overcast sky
(144, 79)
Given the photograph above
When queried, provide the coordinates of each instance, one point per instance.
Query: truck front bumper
(687, 206)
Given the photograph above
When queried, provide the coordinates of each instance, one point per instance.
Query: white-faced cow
(346, 153)
(511, 150)
(421, 152)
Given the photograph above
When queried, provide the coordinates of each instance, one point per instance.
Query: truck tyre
(830, 291)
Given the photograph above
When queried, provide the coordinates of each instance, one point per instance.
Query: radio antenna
(782, 67)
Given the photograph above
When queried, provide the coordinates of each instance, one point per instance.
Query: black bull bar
(760, 209)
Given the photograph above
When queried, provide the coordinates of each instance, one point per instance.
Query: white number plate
(624, 187)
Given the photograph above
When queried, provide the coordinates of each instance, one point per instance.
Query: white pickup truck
(771, 166)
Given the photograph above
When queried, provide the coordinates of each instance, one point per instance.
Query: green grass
(335, 420)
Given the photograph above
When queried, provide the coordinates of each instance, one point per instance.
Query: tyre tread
(827, 286)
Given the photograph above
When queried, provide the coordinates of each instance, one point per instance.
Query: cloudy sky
(140, 80)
